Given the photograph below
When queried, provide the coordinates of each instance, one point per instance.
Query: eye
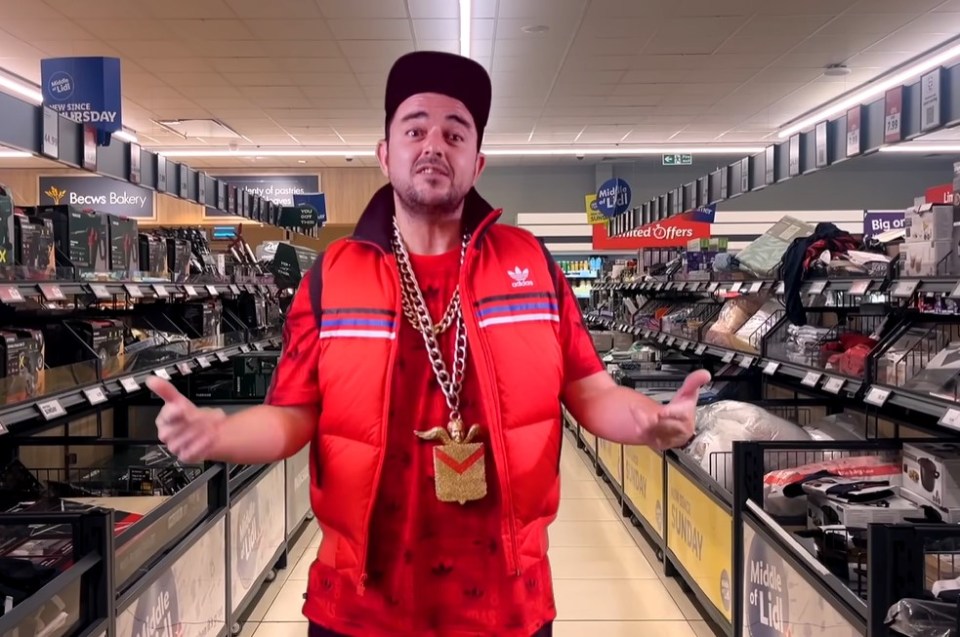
(414, 132)
(456, 137)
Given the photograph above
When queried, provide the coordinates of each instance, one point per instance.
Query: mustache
(436, 164)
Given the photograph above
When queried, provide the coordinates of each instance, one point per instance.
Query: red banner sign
(674, 232)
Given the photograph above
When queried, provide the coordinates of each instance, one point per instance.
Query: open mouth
(432, 171)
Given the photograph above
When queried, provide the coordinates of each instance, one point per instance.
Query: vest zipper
(513, 557)
(385, 420)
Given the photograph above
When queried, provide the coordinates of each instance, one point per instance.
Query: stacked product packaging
(931, 241)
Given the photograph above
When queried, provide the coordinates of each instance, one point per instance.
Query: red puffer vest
(510, 306)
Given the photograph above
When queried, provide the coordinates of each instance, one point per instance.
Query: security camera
(579, 157)
(348, 158)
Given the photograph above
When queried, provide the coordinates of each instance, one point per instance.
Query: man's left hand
(674, 426)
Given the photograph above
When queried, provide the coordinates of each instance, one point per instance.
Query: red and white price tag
(51, 292)
(10, 294)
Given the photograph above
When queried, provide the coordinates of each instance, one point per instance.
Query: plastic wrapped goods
(722, 423)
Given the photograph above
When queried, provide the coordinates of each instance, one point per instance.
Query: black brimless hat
(445, 73)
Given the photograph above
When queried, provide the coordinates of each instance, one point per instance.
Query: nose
(434, 142)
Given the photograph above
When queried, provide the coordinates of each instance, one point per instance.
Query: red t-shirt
(435, 569)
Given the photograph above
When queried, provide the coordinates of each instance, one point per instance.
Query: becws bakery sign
(97, 193)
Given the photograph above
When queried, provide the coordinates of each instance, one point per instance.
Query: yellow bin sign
(643, 484)
(609, 454)
(700, 535)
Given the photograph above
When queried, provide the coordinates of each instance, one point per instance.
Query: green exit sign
(678, 160)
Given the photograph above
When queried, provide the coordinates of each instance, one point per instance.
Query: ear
(382, 156)
(481, 164)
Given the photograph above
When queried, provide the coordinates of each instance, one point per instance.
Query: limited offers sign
(97, 193)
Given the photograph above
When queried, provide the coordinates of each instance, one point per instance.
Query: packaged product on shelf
(930, 222)
(81, 236)
(7, 230)
(902, 360)
(782, 488)
(124, 247)
(932, 472)
(855, 502)
(764, 254)
(35, 246)
(178, 257)
(940, 377)
(750, 335)
(153, 254)
(930, 258)
(722, 423)
(253, 372)
(733, 315)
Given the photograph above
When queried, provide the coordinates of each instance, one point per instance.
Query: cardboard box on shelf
(930, 223)
(824, 511)
(932, 472)
(124, 248)
(930, 258)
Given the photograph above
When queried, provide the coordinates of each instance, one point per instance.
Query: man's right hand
(190, 432)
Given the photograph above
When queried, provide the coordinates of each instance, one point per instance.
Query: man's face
(431, 155)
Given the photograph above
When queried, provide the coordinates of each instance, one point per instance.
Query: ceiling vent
(202, 128)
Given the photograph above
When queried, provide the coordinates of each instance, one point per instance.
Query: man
(425, 358)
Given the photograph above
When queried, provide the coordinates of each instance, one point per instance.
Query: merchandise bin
(826, 579)
(79, 599)
(256, 534)
(906, 560)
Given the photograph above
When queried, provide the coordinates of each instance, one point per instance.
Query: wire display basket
(924, 358)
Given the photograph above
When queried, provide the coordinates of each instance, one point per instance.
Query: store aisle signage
(778, 600)
(86, 90)
(316, 201)
(276, 188)
(614, 197)
(893, 115)
(700, 534)
(257, 530)
(97, 193)
(594, 216)
(879, 221)
(643, 483)
(931, 106)
(677, 160)
(854, 139)
(610, 455)
(676, 231)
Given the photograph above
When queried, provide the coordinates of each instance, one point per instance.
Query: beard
(426, 201)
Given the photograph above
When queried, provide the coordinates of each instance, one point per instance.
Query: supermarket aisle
(604, 579)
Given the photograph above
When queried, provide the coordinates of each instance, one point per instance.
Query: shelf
(15, 293)
(62, 404)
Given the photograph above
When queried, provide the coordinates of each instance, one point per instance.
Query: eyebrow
(423, 114)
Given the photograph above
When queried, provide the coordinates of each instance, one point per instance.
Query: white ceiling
(311, 72)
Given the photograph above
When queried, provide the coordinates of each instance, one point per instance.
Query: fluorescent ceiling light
(872, 91)
(466, 12)
(21, 89)
(921, 148)
(126, 136)
(14, 154)
(493, 151)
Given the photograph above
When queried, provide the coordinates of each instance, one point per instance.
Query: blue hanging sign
(613, 197)
(86, 90)
(316, 200)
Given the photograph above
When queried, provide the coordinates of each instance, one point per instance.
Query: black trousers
(319, 631)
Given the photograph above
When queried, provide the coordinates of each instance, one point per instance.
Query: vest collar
(376, 223)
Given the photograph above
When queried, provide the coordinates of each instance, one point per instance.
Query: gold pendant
(458, 464)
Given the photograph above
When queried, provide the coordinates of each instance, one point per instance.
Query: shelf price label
(746, 362)
(728, 357)
(95, 395)
(130, 384)
(713, 287)
(701, 349)
(222, 357)
(693, 286)
(134, 290)
(671, 341)
(234, 290)
(51, 409)
(811, 379)
(771, 368)
(245, 349)
(51, 292)
(258, 346)
(877, 396)
(184, 369)
(755, 287)
(859, 288)
(647, 333)
(212, 290)
(735, 286)
(781, 288)
(100, 292)
(203, 362)
(834, 385)
(905, 289)
(950, 419)
(10, 294)
(191, 291)
(161, 291)
(956, 292)
(817, 287)
(162, 373)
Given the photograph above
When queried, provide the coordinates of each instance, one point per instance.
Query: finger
(692, 384)
(166, 391)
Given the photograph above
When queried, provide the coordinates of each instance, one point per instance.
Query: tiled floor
(607, 579)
